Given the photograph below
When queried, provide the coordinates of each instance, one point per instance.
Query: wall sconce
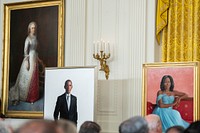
(102, 53)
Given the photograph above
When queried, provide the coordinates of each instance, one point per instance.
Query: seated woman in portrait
(167, 97)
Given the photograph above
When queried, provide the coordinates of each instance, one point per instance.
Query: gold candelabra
(102, 56)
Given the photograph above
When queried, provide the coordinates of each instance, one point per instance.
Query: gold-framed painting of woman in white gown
(33, 40)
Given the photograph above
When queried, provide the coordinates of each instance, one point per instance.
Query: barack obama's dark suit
(62, 109)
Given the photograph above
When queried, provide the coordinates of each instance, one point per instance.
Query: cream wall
(129, 26)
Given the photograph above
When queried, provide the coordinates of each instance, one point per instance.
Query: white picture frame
(84, 80)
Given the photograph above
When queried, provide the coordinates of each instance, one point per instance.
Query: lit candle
(103, 47)
(108, 48)
(94, 48)
(98, 46)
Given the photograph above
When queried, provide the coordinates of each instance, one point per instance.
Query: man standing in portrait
(66, 105)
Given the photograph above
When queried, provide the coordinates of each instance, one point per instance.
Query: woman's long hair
(162, 83)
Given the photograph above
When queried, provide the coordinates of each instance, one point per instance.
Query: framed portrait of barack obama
(70, 94)
(33, 39)
(171, 90)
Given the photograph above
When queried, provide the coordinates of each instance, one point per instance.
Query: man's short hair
(66, 82)
(194, 127)
(179, 129)
(66, 126)
(90, 127)
(135, 124)
(39, 126)
(154, 123)
(4, 128)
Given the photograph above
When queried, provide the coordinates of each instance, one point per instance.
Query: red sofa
(185, 108)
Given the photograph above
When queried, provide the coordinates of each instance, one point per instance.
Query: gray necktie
(68, 104)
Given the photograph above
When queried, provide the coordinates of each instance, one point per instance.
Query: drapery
(178, 24)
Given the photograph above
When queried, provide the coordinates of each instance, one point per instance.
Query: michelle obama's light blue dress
(168, 116)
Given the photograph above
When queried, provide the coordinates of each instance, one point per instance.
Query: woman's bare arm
(162, 105)
(180, 96)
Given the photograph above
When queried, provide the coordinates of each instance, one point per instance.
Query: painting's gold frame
(6, 50)
(196, 89)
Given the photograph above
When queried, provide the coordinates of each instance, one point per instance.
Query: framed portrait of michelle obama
(33, 39)
(183, 82)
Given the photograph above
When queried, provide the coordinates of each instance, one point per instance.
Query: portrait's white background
(84, 83)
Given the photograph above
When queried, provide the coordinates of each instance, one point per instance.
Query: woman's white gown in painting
(26, 87)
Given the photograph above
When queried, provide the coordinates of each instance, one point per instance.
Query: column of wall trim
(137, 51)
(75, 33)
